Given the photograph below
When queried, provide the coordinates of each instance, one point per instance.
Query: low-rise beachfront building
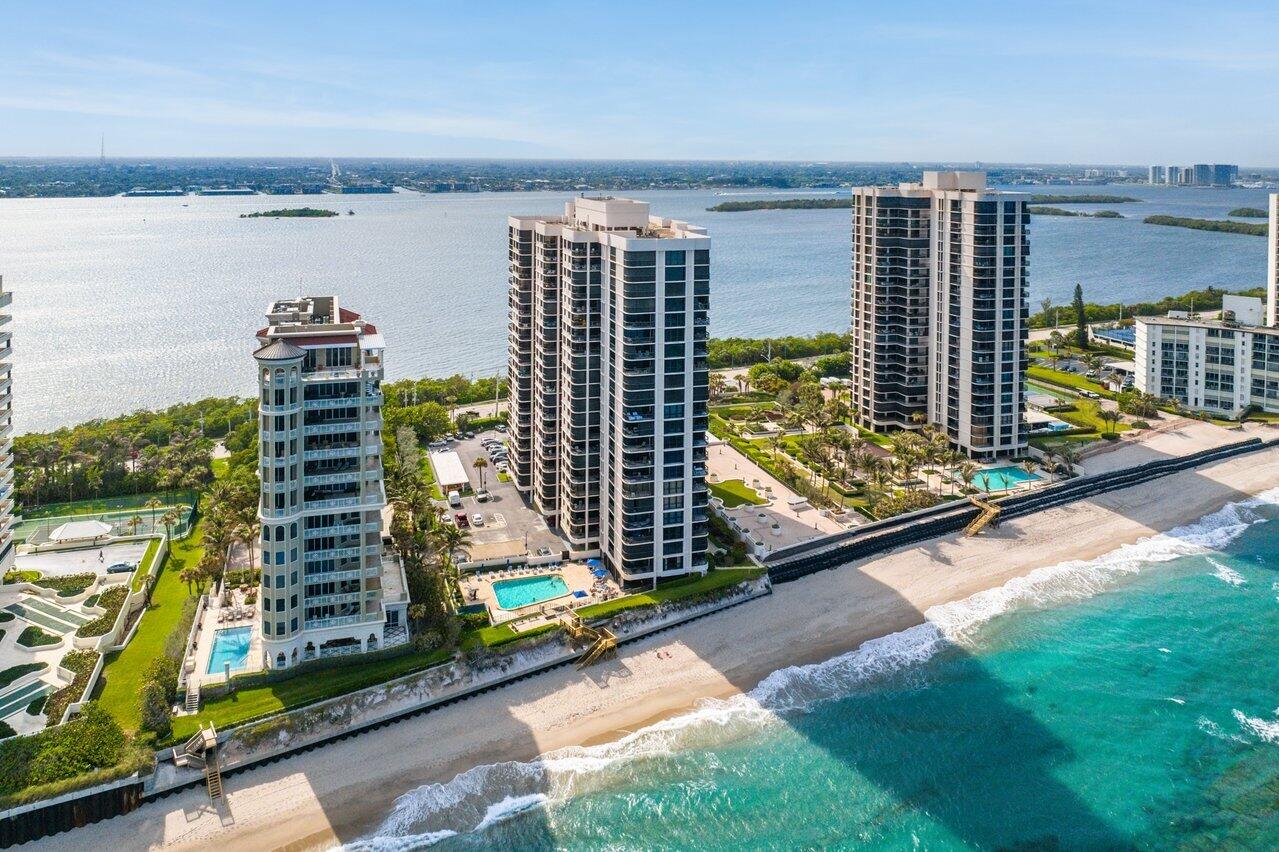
(1219, 366)
(320, 412)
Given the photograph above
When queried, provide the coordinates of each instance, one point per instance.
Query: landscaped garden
(735, 492)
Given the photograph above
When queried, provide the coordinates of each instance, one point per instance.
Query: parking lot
(508, 520)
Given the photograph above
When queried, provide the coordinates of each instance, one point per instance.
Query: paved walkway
(792, 525)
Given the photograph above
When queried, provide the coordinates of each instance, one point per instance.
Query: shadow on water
(982, 767)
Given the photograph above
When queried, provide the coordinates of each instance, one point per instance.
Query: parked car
(470, 435)
(438, 445)
(121, 568)
(501, 427)
(482, 495)
(460, 517)
(455, 499)
(477, 519)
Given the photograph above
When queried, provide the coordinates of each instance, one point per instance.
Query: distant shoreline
(1057, 211)
(846, 203)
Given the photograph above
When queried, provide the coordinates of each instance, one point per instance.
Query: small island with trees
(783, 204)
(291, 213)
(1248, 213)
(1057, 211)
(1256, 230)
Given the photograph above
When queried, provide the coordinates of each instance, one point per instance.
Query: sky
(1016, 82)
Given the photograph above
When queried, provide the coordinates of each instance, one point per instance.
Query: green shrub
(34, 637)
(12, 673)
(175, 644)
(163, 672)
(5, 616)
(1140, 424)
(91, 600)
(111, 600)
(35, 708)
(155, 710)
(16, 576)
(90, 742)
(71, 584)
(80, 664)
(6, 731)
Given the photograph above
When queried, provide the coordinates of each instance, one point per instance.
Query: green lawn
(673, 590)
(219, 467)
(1064, 379)
(144, 567)
(734, 493)
(1086, 412)
(123, 672)
(428, 477)
(97, 506)
(307, 688)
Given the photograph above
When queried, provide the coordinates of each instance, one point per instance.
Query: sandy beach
(340, 792)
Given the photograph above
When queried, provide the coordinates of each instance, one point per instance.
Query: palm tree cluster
(83, 463)
(428, 544)
(230, 515)
(1060, 459)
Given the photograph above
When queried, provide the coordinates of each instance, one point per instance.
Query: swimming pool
(1002, 478)
(230, 646)
(523, 591)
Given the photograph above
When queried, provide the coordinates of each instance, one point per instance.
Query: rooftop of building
(609, 213)
(938, 182)
(316, 321)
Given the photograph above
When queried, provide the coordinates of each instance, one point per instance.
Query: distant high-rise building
(939, 310)
(1202, 174)
(1224, 174)
(1173, 175)
(1158, 174)
(1272, 264)
(323, 592)
(609, 382)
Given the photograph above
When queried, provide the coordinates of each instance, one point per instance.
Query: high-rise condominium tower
(608, 372)
(320, 412)
(7, 549)
(939, 310)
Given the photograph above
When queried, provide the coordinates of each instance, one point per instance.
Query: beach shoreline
(343, 791)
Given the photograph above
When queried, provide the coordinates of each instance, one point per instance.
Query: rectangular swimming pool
(230, 646)
(524, 591)
(1002, 478)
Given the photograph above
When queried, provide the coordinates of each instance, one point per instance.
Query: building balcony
(342, 620)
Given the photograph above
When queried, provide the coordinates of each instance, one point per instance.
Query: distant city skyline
(1078, 83)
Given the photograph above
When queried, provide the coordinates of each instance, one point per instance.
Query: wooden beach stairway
(600, 641)
(202, 751)
(989, 512)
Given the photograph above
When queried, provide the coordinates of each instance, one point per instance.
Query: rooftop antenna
(102, 150)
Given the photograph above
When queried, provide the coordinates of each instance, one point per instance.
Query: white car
(477, 520)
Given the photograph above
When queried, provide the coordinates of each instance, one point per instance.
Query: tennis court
(36, 531)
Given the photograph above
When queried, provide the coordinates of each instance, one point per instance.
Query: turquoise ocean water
(1126, 702)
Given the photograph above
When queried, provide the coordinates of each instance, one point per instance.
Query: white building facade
(609, 382)
(319, 376)
(1272, 262)
(1221, 368)
(940, 310)
(7, 547)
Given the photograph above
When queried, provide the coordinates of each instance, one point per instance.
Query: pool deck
(478, 588)
(210, 624)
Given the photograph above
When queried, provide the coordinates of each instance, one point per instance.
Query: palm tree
(191, 575)
(170, 520)
(153, 504)
(968, 472)
(134, 523)
(480, 464)
(1110, 417)
(1030, 467)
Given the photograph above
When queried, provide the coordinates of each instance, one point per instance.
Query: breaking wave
(484, 795)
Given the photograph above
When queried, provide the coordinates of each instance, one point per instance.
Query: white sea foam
(1266, 730)
(1176, 700)
(489, 793)
(1212, 729)
(1226, 574)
